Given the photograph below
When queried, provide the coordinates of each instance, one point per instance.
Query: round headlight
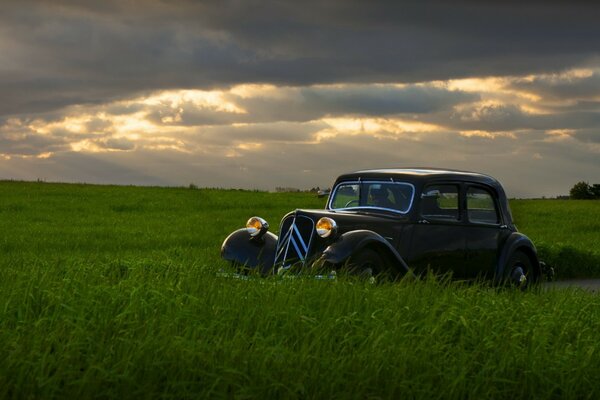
(256, 226)
(325, 227)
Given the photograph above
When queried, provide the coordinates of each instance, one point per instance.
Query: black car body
(399, 221)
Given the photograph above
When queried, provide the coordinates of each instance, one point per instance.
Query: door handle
(423, 221)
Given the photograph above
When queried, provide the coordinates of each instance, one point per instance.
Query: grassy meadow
(565, 232)
(113, 292)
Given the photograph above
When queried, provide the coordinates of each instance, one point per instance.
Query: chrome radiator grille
(295, 238)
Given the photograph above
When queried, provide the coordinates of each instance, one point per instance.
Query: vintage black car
(397, 222)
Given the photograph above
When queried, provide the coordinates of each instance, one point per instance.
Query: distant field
(565, 232)
(88, 222)
(112, 291)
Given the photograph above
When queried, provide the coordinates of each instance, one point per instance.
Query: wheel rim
(519, 276)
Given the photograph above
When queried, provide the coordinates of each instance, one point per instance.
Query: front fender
(516, 242)
(350, 243)
(241, 248)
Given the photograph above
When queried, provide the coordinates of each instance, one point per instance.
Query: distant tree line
(280, 189)
(585, 191)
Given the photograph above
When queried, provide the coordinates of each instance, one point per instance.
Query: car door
(486, 231)
(438, 239)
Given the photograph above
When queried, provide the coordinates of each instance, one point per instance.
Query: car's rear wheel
(519, 271)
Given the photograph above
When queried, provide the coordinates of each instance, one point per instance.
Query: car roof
(419, 174)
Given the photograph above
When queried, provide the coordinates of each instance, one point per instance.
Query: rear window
(481, 207)
(392, 196)
(440, 202)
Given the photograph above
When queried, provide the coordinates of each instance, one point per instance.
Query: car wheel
(240, 268)
(519, 271)
(367, 264)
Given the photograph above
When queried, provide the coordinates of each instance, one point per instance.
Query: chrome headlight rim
(326, 227)
(257, 226)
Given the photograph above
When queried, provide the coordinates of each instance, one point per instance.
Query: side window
(481, 207)
(440, 202)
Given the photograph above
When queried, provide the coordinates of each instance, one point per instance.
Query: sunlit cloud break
(181, 93)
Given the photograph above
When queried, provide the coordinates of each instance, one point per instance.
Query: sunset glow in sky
(261, 94)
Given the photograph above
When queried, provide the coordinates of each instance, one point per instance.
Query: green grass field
(112, 292)
(565, 232)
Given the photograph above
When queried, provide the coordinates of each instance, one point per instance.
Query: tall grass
(565, 232)
(112, 292)
(165, 330)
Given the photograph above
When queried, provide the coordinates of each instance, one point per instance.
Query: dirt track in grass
(587, 284)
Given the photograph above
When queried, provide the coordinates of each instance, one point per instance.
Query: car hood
(349, 220)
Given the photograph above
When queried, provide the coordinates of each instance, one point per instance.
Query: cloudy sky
(259, 94)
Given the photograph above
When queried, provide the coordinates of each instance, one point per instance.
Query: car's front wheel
(368, 264)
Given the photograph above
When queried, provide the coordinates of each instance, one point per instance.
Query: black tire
(240, 268)
(519, 271)
(367, 264)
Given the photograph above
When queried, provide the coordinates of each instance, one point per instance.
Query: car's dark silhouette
(397, 221)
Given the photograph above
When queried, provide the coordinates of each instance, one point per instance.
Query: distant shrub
(585, 191)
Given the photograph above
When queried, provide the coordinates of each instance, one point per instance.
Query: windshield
(393, 196)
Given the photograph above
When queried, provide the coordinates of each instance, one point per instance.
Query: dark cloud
(571, 105)
(588, 135)
(30, 145)
(68, 52)
(369, 100)
(311, 103)
(118, 144)
(511, 117)
(18, 139)
(565, 87)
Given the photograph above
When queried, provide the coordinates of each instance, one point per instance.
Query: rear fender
(516, 242)
(241, 248)
(350, 243)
